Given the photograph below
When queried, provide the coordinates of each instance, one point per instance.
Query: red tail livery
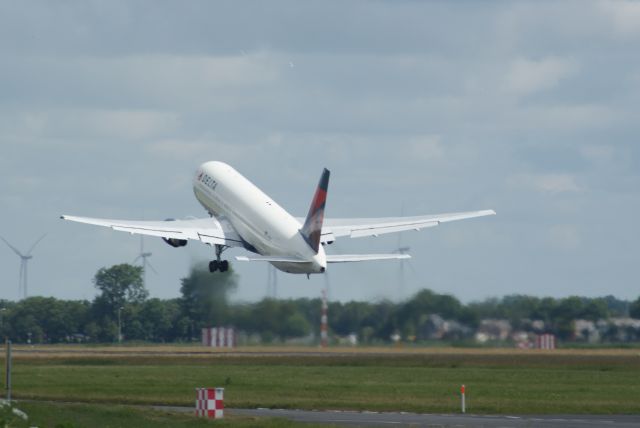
(312, 229)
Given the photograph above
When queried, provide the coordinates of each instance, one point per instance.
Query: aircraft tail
(312, 229)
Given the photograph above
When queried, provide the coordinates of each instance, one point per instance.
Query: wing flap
(276, 259)
(392, 228)
(361, 227)
(352, 258)
(207, 230)
(169, 234)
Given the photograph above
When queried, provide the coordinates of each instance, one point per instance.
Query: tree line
(123, 306)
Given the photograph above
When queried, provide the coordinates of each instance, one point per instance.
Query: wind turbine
(272, 281)
(145, 263)
(401, 277)
(402, 249)
(24, 259)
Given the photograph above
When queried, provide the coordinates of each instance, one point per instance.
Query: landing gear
(217, 264)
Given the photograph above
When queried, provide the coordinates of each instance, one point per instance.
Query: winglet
(312, 229)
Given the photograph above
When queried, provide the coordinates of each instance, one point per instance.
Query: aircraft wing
(273, 259)
(361, 227)
(331, 258)
(351, 258)
(210, 230)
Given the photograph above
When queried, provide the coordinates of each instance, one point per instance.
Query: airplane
(241, 215)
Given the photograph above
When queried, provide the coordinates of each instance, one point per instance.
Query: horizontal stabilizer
(273, 259)
(352, 258)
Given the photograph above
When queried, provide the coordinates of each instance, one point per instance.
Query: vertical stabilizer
(312, 229)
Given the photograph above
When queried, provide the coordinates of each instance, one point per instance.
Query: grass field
(63, 415)
(417, 380)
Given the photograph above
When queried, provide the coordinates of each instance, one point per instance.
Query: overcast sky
(529, 108)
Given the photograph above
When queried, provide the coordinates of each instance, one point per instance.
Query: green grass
(61, 415)
(504, 382)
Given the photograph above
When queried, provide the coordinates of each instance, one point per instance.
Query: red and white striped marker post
(219, 337)
(210, 403)
(462, 393)
(545, 341)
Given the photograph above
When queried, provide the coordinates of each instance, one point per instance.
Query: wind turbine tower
(24, 260)
(402, 249)
(145, 263)
(272, 281)
(401, 280)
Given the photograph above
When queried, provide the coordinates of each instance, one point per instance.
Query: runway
(381, 419)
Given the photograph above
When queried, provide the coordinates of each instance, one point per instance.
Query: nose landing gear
(217, 264)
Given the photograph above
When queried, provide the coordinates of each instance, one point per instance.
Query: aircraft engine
(175, 243)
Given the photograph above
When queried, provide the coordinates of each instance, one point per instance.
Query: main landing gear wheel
(219, 265)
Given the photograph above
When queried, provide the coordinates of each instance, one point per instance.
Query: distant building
(523, 339)
(437, 328)
(493, 330)
(586, 331)
(536, 326)
(350, 340)
(607, 330)
(620, 329)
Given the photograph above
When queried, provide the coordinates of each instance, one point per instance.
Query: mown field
(65, 415)
(416, 380)
(80, 415)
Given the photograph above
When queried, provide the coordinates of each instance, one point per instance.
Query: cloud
(121, 124)
(598, 153)
(184, 82)
(199, 150)
(113, 105)
(526, 76)
(624, 16)
(545, 183)
(205, 72)
(426, 148)
(569, 118)
(564, 237)
(21, 184)
(175, 148)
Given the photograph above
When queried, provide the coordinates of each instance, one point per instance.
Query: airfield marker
(210, 403)
(462, 391)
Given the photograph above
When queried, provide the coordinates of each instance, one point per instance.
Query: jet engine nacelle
(175, 243)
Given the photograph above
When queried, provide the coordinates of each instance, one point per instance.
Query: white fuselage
(265, 226)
